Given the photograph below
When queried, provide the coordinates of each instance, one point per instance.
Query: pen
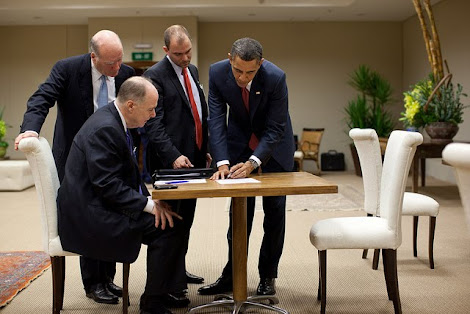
(229, 175)
(176, 182)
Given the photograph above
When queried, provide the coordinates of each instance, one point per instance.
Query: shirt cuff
(222, 162)
(31, 131)
(149, 207)
(256, 159)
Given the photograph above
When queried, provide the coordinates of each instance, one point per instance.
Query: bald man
(104, 208)
(74, 84)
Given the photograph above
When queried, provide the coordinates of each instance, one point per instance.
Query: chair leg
(322, 284)
(375, 261)
(58, 278)
(432, 229)
(365, 251)
(125, 287)
(415, 236)
(301, 164)
(386, 275)
(318, 167)
(390, 259)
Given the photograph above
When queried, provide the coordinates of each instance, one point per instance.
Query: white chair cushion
(353, 233)
(298, 154)
(415, 204)
(55, 248)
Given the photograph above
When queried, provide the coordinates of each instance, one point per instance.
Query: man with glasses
(80, 85)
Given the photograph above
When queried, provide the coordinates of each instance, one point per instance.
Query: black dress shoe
(266, 286)
(222, 285)
(100, 293)
(190, 278)
(114, 289)
(176, 299)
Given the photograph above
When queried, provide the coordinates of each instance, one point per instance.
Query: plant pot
(441, 132)
(355, 157)
(3, 152)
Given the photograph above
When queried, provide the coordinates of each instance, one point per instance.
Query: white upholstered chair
(414, 204)
(376, 232)
(41, 161)
(458, 156)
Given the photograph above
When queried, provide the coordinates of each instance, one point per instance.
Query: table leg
(240, 300)
(422, 162)
(415, 173)
(239, 250)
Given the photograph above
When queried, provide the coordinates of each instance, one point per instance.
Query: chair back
(39, 155)
(310, 142)
(401, 147)
(458, 156)
(370, 157)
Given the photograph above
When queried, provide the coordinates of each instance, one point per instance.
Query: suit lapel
(85, 85)
(256, 92)
(232, 85)
(175, 80)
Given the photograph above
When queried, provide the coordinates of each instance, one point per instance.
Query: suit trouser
(165, 260)
(95, 271)
(274, 226)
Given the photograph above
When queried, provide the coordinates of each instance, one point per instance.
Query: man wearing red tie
(258, 134)
(178, 133)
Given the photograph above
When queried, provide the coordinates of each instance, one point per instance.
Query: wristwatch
(254, 163)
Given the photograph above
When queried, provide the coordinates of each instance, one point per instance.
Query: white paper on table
(184, 181)
(238, 181)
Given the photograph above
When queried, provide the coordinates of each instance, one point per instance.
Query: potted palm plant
(368, 109)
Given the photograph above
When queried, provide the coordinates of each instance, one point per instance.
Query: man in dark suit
(75, 84)
(104, 208)
(258, 134)
(178, 133)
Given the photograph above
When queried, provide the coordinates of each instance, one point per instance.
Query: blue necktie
(103, 93)
(130, 145)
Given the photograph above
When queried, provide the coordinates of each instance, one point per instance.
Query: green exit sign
(142, 56)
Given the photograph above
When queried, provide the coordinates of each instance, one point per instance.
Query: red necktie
(197, 120)
(246, 100)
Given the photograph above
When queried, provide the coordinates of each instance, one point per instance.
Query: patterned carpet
(17, 270)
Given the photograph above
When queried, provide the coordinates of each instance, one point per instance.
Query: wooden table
(426, 150)
(423, 151)
(272, 184)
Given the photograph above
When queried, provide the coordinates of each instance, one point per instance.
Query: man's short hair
(177, 31)
(247, 49)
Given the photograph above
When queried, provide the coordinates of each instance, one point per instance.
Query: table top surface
(271, 184)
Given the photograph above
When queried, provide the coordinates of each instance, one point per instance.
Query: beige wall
(133, 30)
(317, 58)
(453, 26)
(26, 57)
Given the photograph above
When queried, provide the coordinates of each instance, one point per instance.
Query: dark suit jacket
(100, 209)
(69, 84)
(268, 118)
(172, 131)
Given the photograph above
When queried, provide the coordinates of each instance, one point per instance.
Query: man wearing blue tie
(80, 85)
(258, 133)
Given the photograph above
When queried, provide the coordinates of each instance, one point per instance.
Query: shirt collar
(177, 68)
(121, 116)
